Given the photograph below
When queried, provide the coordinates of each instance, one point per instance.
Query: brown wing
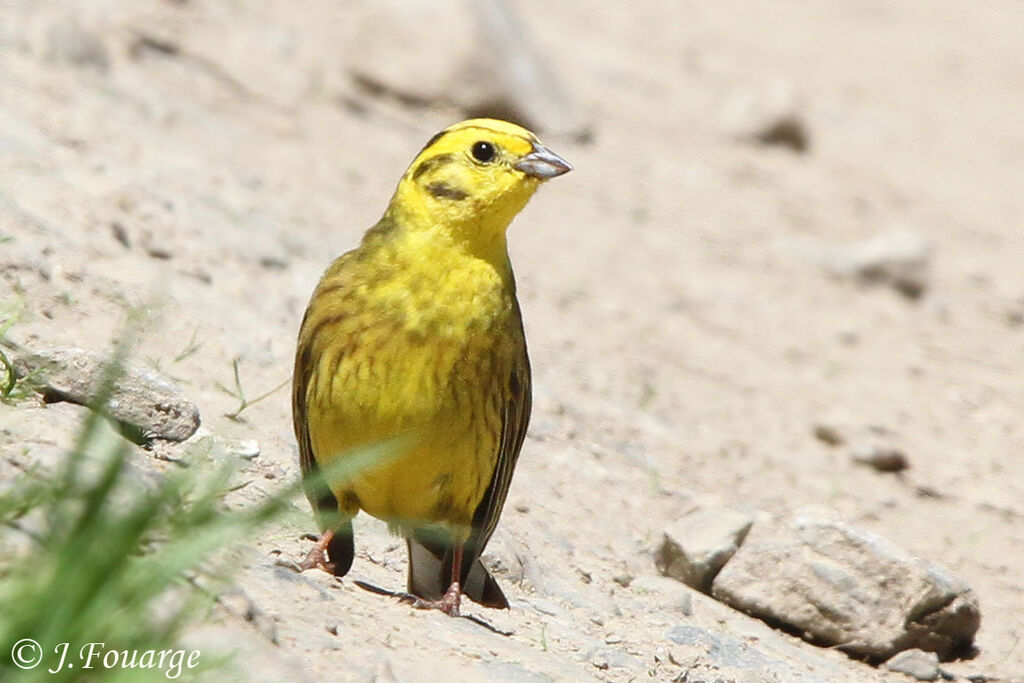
(321, 318)
(322, 500)
(478, 584)
(430, 556)
(515, 420)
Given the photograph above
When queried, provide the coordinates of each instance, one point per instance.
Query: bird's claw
(449, 602)
(316, 558)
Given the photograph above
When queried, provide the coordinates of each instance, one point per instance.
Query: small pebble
(924, 666)
(685, 605)
(881, 458)
(623, 579)
(247, 449)
(828, 434)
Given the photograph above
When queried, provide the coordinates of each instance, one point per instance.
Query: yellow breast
(422, 362)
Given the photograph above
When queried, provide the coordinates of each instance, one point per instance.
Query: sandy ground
(206, 160)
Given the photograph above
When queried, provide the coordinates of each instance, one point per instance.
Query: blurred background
(791, 246)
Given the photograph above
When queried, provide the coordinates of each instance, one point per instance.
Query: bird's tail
(341, 550)
(430, 573)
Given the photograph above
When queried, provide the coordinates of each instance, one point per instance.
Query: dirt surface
(206, 160)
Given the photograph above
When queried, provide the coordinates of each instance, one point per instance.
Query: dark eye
(483, 151)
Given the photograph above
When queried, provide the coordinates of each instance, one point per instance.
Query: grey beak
(543, 163)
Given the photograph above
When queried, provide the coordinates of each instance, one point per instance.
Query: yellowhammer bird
(413, 345)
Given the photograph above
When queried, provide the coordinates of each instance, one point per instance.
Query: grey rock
(246, 449)
(670, 595)
(739, 660)
(848, 588)
(606, 657)
(924, 666)
(206, 447)
(623, 579)
(145, 402)
(695, 548)
(899, 259)
(770, 115)
(70, 42)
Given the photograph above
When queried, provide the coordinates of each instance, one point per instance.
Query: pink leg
(316, 558)
(452, 599)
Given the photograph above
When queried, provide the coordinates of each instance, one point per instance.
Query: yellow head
(473, 178)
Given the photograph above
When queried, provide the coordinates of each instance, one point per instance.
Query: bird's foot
(316, 558)
(449, 602)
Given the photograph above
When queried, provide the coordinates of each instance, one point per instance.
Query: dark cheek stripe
(446, 191)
